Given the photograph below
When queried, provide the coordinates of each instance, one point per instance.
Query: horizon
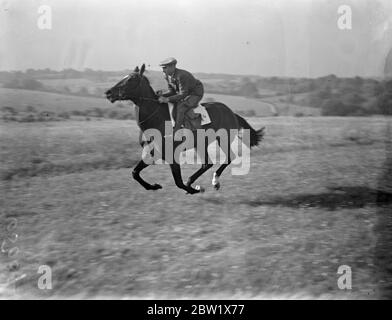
(200, 72)
(266, 38)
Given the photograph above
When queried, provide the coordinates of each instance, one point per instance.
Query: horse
(153, 115)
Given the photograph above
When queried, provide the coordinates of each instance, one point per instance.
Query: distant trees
(64, 115)
(384, 100)
(312, 85)
(31, 114)
(378, 89)
(351, 96)
(358, 82)
(25, 83)
(71, 74)
(324, 93)
(99, 92)
(332, 94)
(10, 110)
(30, 109)
(384, 103)
(83, 91)
(96, 112)
(335, 107)
(248, 88)
(66, 90)
(353, 99)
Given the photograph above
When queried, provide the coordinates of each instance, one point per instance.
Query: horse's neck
(152, 115)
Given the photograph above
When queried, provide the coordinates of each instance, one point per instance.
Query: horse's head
(128, 88)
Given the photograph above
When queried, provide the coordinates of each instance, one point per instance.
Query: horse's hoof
(217, 186)
(156, 187)
(199, 188)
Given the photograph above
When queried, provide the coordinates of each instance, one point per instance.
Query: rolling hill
(19, 99)
(46, 101)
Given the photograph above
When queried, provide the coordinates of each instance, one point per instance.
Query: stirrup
(176, 129)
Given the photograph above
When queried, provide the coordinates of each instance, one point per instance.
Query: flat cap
(168, 62)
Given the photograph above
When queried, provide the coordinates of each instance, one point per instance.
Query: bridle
(140, 98)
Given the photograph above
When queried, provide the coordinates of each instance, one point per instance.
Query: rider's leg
(183, 106)
(174, 112)
(193, 101)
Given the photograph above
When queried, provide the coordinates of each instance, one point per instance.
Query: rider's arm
(170, 91)
(184, 82)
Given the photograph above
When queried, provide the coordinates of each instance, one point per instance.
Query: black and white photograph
(195, 150)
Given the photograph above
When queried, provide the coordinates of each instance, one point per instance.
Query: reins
(152, 114)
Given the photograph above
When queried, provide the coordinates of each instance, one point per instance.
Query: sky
(296, 38)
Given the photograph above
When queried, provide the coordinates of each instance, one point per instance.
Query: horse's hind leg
(217, 174)
(198, 173)
(136, 175)
(176, 172)
(229, 156)
(207, 164)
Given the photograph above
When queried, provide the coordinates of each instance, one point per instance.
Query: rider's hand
(163, 100)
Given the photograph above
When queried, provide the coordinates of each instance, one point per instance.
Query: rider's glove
(163, 100)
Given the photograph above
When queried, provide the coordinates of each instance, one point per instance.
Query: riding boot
(177, 127)
(180, 118)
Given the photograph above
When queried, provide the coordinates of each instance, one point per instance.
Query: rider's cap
(168, 62)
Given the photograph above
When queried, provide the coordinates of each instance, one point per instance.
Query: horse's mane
(148, 81)
(149, 85)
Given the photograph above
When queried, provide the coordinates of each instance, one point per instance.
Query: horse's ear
(136, 69)
(142, 69)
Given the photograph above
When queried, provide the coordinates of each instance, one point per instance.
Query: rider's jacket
(182, 84)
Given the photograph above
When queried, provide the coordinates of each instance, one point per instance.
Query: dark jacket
(182, 84)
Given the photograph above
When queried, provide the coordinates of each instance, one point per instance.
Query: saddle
(195, 118)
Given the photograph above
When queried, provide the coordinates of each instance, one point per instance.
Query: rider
(184, 90)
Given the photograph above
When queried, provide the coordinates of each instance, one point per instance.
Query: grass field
(318, 196)
(54, 102)
(291, 109)
(45, 101)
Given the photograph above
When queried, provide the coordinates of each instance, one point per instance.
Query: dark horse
(152, 115)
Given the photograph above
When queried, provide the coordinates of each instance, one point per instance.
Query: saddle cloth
(194, 118)
(205, 117)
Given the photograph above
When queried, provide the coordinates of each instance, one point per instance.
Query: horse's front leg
(136, 175)
(176, 171)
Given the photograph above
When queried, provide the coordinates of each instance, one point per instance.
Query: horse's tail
(255, 135)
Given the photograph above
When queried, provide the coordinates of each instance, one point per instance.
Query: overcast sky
(262, 37)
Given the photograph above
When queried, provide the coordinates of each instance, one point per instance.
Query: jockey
(184, 90)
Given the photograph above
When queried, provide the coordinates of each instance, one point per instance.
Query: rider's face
(169, 70)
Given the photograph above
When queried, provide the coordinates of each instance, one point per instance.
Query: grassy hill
(242, 104)
(293, 108)
(261, 96)
(20, 99)
(47, 101)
